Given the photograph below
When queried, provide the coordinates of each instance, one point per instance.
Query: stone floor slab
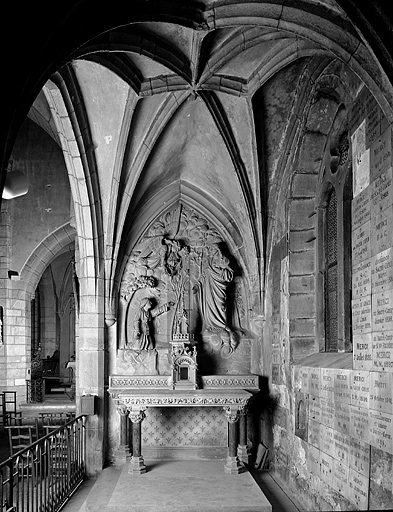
(175, 486)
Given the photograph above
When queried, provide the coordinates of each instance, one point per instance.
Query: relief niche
(180, 282)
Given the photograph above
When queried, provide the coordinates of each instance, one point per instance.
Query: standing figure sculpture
(211, 291)
(143, 338)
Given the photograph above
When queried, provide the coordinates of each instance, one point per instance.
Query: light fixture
(16, 184)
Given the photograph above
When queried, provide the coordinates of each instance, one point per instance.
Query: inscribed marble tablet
(327, 383)
(314, 408)
(381, 192)
(383, 351)
(326, 440)
(314, 380)
(360, 423)
(381, 430)
(382, 231)
(361, 279)
(361, 208)
(340, 473)
(359, 457)
(380, 154)
(361, 315)
(360, 388)
(382, 271)
(342, 385)
(382, 311)
(342, 417)
(361, 245)
(358, 489)
(342, 445)
(362, 351)
(326, 468)
(381, 392)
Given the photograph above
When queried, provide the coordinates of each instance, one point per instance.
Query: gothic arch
(41, 257)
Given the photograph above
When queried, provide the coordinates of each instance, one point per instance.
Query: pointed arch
(42, 256)
(72, 125)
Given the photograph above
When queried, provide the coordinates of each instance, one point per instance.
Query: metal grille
(331, 230)
(331, 278)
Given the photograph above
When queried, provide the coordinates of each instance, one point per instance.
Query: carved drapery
(181, 259)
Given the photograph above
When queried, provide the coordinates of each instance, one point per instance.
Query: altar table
(134, 402)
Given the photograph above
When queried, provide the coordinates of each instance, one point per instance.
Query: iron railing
(35, 390)
(41, 477)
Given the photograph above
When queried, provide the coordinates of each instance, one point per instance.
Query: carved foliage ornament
(181, 257)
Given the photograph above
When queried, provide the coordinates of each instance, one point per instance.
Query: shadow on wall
(261, 418)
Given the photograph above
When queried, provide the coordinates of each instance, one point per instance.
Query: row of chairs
(24, 431)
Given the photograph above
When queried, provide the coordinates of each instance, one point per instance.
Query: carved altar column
(233, 465)
(242, 450)
(123, 453)
(137, 465)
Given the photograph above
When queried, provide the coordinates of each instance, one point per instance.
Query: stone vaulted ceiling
(157, 105)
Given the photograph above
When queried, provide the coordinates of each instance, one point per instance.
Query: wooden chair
(13, 418)
(21, 436)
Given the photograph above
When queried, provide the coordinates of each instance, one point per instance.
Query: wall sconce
(16, 184)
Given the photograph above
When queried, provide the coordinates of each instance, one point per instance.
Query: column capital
(243, 410)
(231, 413)
(122, 410)
(137, 416)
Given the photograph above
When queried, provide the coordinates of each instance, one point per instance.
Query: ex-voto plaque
(382, 311)
(383, 351)
(382, 271)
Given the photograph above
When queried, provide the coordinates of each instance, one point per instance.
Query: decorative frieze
(177, 401)
(230, 381)
(139, 381)
(121, 382)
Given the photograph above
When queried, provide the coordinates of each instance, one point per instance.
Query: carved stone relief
(180, 282)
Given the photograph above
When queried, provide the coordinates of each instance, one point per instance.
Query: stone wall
(332, 415)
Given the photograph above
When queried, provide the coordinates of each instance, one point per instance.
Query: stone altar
(181, 330)
(226, 392)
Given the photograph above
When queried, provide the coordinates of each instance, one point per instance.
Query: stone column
(233, 465)
(137, 465)
(242, 450)
(123, 452)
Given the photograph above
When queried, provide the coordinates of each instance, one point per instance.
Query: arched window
(334, 249)
(331, 274)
